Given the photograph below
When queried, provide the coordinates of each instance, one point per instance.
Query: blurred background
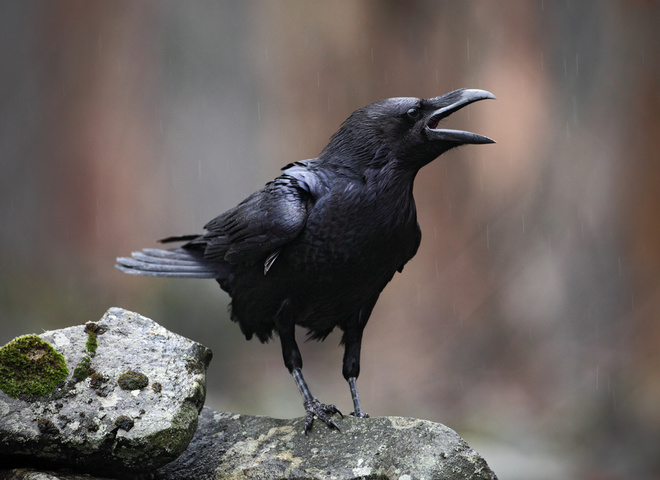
(529, 319)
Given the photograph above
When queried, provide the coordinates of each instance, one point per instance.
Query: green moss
(83, 369)
(92, 344)
(30, 367)
(96, 380)
(92, 330)
(133, 380)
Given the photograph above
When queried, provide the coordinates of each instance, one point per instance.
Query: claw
(314, 408)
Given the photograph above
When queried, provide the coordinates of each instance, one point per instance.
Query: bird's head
(404, 130)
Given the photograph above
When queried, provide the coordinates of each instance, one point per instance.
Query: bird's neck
(391, 189)
(392, 179)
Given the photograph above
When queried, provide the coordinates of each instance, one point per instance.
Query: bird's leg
(352, 341)
(314, 408)
(293, 361)
(357, 407)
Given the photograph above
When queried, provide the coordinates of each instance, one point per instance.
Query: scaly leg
(357, 407)
(293, 361)
(351, 370)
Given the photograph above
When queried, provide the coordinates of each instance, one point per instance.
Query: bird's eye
(413, 113)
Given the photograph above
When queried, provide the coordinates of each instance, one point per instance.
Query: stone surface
(90, 422)
(247, 447)
(33, 474)
(244, 447)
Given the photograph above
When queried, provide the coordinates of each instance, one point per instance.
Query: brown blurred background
(529, 320)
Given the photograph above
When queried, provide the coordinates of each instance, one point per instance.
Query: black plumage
(317, 245)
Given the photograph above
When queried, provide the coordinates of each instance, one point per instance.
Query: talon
(314, 408)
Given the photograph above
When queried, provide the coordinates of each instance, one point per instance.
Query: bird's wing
(257, 227)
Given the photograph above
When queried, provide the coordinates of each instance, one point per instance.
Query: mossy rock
(30, 367)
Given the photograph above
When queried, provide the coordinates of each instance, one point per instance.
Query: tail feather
(153, 256)
(177, 263)
(179, 238)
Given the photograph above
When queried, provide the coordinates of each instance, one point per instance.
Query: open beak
(448, 104)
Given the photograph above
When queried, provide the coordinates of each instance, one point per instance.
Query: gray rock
(244, 447)
(236, 446)
(34, 474)
(129, 404)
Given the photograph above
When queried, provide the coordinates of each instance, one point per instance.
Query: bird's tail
(177, 263)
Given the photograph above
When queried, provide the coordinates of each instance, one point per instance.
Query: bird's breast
(362, 235)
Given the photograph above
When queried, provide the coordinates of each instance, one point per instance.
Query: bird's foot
(314, 408)
(359, 414)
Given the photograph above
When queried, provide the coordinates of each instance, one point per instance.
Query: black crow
(317, 245)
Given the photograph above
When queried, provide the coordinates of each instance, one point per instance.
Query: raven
(317, 245)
